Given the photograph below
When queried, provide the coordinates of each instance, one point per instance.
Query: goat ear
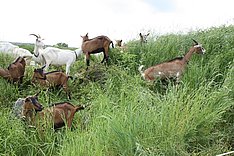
(9, 67)
(140, 34)
(27, 99)
(196, 43)
(121, 40)
(148, 34)
(86, 35)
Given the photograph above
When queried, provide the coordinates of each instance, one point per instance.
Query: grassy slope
(127, 116)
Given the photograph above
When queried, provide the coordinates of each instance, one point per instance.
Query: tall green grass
(128, 116)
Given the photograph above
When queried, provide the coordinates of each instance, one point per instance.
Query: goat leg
(107, 59)
(87, 55)
(104, 57)
(69, 95)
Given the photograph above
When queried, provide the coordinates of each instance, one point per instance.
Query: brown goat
(60, 113)
(120, 46)
(172, 68)
(143, 38)
(96, 45)
(51, 79)
(15, 71)
(5, 74)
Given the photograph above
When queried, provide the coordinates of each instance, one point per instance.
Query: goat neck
(189, 54)
(35, 51)
(38, 49)
(86, 39)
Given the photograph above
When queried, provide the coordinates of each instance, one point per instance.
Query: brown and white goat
(96, 45)
(15, 71)
(51, 79)
(172, 68)
(143, 38)
(59, 114)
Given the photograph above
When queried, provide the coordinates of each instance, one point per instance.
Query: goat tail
(112, 44)
(70, 77)
(141, 71)
(80, 107)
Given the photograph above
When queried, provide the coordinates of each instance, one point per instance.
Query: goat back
(95, 43)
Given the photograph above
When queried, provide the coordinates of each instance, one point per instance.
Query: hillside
(128, 116)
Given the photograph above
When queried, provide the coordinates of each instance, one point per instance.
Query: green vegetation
(128, 116)
(61, 45)
(29, 47)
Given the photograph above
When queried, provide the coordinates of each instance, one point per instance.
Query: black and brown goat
(28, 108)
(51, 79)
(15, 71)
(96, 45)
(172, 68)
(59, 114)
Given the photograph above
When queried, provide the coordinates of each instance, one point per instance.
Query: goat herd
(62, 113)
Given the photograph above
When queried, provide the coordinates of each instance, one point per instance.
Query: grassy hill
(128, 116)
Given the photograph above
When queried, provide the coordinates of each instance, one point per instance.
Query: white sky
(65, 20)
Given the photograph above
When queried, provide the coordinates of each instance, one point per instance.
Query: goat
(61, 113)
(54, 56)
(118, 43)
(96, 45)
(7, 47)
(143, 38)
(38, 50)
(5, 74)
(51, 79)
(13, 50)
(15, 71)
(25, 108)
(120, 46)
(33, 112)
(172, 68)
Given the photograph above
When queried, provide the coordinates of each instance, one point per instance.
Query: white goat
(54, 56)
(13, 50)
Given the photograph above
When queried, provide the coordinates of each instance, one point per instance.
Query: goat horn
(37, 93)
(35, 35)
(195, 41)
(43, 67)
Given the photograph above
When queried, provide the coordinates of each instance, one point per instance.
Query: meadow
(128, 116)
